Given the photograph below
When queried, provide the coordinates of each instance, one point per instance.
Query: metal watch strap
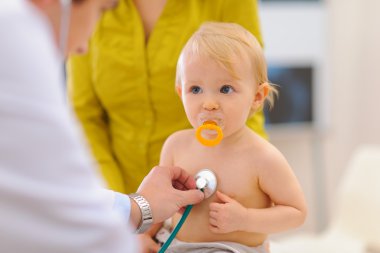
(146, 212)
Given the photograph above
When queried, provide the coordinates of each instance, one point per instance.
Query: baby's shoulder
(265, 152)
(180, 138)
(182, 134)
(175, 144)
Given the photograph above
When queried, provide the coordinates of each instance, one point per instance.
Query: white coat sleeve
(51, 197)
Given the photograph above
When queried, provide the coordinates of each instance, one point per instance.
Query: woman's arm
(93, 118)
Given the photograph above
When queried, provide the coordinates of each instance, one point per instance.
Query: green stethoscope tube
(206, 182)
(176, 229)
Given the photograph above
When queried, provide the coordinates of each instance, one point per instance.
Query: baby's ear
(260, 96)
(178, 89)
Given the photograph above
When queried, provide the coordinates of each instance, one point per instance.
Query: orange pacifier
(209, 125)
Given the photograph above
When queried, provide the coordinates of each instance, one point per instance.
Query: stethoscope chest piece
(206, 181)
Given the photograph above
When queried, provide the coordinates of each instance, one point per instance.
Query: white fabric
(205, 247)
(50, 195)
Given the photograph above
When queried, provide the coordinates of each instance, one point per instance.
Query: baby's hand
(227, 216)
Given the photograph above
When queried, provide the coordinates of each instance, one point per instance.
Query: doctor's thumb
(190, 197)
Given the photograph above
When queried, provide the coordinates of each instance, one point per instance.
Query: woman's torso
(133, 78)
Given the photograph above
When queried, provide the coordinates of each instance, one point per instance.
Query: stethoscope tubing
(176, 229)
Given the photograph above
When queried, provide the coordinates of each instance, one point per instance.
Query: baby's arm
(280, 184)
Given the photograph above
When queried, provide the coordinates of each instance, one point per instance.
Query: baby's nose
(210, 105)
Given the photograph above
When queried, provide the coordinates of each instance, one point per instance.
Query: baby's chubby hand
(227, 216)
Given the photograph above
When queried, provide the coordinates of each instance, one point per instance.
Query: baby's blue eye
(195, 89)
(226, 89)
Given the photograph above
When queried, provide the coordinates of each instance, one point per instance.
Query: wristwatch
(146, 212)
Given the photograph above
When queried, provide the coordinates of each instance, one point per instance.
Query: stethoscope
(64, 26)
(205, 180)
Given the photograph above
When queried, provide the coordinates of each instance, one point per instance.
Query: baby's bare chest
(237, 175)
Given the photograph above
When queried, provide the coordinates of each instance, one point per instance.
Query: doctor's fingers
(180, 176)
(189, 197)
(179, 186)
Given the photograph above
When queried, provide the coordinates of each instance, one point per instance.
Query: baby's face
(210, 93)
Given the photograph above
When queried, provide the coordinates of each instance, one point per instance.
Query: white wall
(295, 33)
(342, 38)
(354, 51)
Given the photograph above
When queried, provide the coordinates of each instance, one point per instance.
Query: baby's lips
(211, 122)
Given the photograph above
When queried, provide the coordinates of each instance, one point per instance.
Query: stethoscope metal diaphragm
(206, 181)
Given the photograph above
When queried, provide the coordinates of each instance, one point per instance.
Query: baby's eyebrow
(226, 81)
(192, 82)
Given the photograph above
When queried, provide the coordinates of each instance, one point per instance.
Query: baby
(222, 78)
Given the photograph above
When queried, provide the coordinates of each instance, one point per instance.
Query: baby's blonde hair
(221, 42)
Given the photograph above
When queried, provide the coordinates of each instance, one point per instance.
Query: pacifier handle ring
(209, 142)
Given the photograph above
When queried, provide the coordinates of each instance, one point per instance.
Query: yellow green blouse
(123, 90)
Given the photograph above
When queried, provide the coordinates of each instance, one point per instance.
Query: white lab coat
(50, 194)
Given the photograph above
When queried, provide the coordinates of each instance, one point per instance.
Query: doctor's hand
(168, 189)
